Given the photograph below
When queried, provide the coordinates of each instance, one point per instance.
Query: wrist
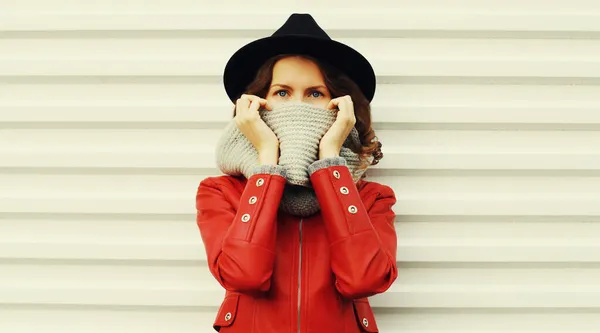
(269, 156)
(328, 152)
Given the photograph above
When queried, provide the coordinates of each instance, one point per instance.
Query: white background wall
(489, 115)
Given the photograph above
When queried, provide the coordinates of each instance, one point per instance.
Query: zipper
(300, 275)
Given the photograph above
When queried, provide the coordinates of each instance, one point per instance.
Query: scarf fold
(299, 128)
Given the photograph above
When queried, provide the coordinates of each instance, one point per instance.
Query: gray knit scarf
(299, 128)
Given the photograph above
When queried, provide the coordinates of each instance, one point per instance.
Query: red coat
(285, 274)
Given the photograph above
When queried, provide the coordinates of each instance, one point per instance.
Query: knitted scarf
(299, 128)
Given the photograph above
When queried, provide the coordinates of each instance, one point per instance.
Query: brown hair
(339, 84)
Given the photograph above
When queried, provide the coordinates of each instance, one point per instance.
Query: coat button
(252, 200)
(336, 174)
(352, 209)
(228, 316)
(245, 217)
(260, 182)
(344, 190)
(365, 322)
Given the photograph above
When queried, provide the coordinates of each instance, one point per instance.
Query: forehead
(296, 71)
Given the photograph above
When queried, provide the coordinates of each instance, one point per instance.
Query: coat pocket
(364, 316)
(227, 312)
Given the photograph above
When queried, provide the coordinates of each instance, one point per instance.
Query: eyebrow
(290, 88)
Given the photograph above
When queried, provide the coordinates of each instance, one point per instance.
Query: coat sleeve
(361, 233)
(240, 243)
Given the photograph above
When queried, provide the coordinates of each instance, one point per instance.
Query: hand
(334, 139)
(249, 122)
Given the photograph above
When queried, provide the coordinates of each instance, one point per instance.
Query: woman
(292, 232)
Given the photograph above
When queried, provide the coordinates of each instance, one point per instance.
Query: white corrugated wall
(489, 114)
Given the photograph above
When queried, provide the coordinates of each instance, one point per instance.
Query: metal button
(260, 182)
(352, 209)
(344, 190)
(336, 174)
(252, 200)
(365, 322)
(228, 316)
(245, 217)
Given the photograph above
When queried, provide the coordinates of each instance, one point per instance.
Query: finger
(265, 103)
(254, 105)
(346, 109)
(251, 97)
(262, 101)
(332, 103)
(343, 105)
(248, 98)
(242, 105)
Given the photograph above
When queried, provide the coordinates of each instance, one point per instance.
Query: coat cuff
(257, 210)
(326, 163)
(341, 204)
(269, 169)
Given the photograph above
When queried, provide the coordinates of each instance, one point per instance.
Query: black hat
(299, 35)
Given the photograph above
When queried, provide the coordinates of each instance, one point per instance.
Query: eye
(317, 92)
(278, 93)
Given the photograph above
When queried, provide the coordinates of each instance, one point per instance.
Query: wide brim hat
(300, 34)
